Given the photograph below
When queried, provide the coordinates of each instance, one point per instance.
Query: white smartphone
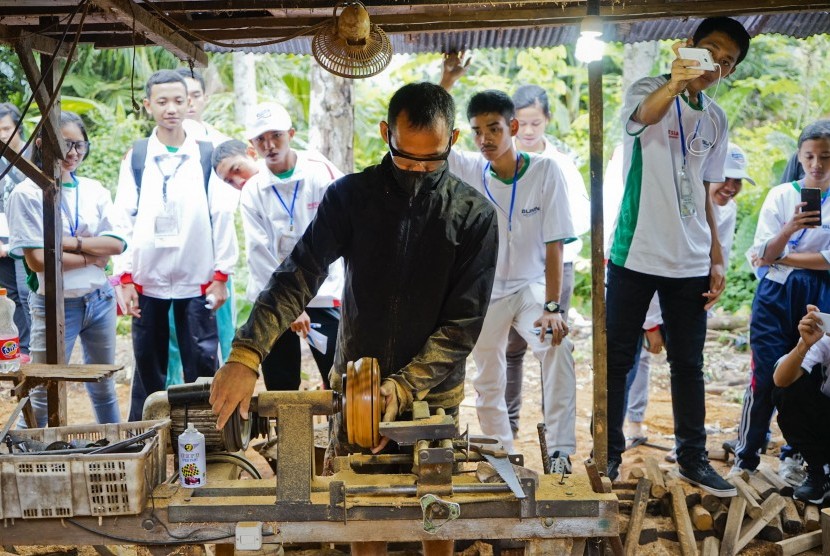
(825, 322)
(703, 56)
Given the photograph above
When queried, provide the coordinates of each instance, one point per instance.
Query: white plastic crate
(44, 486)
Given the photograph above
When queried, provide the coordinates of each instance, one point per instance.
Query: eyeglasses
(81, 147)
(435, 160)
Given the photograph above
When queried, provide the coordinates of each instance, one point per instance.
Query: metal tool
(13, 417)
(496, 456)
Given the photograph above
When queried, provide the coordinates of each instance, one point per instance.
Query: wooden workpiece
(682, 522)
(811, 518)
(711, 546)
(638, 514)
(735, 518)
(769, 509)
(799, 544)
(753, 509)
(655, 475)
(790, 520)
(761, 486)
(701, 518)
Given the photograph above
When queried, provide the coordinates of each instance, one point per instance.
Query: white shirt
(268, 238)
(725, 217)
(777, 210)
(95, 215)
(650, 236)
(175, 266)
(541, 215)
(578, 201)
(227, 195)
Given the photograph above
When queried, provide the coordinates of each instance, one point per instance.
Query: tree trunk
(638, 61)
(331, 118)
(244, 84)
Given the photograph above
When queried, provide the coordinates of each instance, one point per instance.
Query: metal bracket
(437, 512)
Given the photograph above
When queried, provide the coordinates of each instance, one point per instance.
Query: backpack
(140, 155)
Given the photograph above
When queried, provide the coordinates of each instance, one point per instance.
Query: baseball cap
(735, 165)
(269, 116)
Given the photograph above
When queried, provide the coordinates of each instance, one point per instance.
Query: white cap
(735, 165)
(268, 117)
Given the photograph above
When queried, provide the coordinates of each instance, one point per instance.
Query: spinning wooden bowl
(362, 402)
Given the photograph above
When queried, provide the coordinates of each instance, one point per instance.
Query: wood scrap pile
(655, 504)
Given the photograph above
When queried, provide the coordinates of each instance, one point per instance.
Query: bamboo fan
(351, 46)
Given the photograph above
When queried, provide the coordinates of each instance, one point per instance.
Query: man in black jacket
(420, 251)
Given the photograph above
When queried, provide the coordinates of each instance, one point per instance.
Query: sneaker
(816, 488)
(560, 463)
(699, 473)
(791, 469)
(740, 471)
(613, 471)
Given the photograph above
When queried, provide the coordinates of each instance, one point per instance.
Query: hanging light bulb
(589, 46)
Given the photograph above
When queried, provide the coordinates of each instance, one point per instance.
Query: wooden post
(680, 514)
(790, 520)
(772, 531)
(784, 488)
(711, 546)
(701, 518)
(825, 531)
(753, 509)
(655, 475)
(600, 347)
(761, 486)
(811, 518)
(598, 486)
(638, 514)
(799, 544)
(734, 519)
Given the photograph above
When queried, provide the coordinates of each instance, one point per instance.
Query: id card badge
(687, 201)
(286, 243)
(779, 273)
(166, 228)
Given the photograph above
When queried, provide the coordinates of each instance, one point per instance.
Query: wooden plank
(638, 514)
(761, 486)
(811, 518)
(131, 15)
(769, 474)
(33, 41)
(825, 531)
(799, 544)
(28, 168)
(711, 546)
(769, 509)
(655, 475)
(790, 520)
(734, 520)
(753, 509)
(543, 547)
(680, 514)
(70, 372)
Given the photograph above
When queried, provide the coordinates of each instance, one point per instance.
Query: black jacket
(419, 272)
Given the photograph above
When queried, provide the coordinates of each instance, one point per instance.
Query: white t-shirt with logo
(541, 215)
(651, 236)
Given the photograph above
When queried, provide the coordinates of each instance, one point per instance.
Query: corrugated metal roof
(798, 25)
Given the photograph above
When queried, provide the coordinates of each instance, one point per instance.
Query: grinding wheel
(362, 403)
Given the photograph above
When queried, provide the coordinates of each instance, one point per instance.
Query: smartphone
(811, 196)
(703, 56)
(537, 330)
(825, 322)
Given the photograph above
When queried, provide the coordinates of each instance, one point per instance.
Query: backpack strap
(137, 163)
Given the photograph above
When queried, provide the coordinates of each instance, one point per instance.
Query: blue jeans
(628, 296)
(93, 318)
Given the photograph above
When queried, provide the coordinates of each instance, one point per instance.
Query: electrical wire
(174, 539)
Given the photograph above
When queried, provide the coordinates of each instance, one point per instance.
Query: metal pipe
(412, 490)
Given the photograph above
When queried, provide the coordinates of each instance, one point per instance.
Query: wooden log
(825, 532)
(636, 473)
(811, 518)
(772, 531)
(652, 508)
(718, 455)
(711, 546)
(638, 514)
(753, 509)
(701, 518)
(733, 527)
(769, 509)
(655, 475)
(790, 520)
(799, 544)
(761, 486)
(680, 514)
(712, 502)
(784, 488)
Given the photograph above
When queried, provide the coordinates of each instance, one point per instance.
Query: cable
(691, 140)
(176, 539)
(240, 461)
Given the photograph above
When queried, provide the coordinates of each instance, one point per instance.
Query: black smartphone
(811, 196)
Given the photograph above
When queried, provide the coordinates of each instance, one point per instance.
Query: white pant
(520, 310)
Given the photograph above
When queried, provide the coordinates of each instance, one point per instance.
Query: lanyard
(165, 177)
(65, 209)
(683, 135)
(285, 206)
(512, 193)
(794, 242)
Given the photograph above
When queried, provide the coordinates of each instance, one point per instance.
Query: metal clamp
(437, 512)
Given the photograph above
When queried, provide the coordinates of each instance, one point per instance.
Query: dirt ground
(726, 371)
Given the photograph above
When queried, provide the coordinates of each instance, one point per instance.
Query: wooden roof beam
(39, 43)
(129, 14)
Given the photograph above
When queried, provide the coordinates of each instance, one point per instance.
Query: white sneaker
(736, 471)
(791, 469)
(560, 464)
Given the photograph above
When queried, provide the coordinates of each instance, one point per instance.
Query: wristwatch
(553, 307)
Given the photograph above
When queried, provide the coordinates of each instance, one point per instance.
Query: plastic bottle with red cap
(9, 336)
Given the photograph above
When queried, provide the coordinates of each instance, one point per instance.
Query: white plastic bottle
(192, 465)
(9, 336)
